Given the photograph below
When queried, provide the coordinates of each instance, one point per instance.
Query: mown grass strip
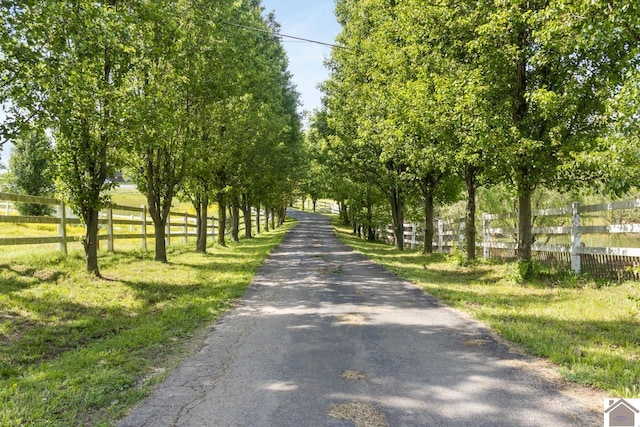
(590, 329)
(76, 350)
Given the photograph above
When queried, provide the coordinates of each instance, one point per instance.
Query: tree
(549, 74)
(164, 97)
(30, 169)
(73, 78)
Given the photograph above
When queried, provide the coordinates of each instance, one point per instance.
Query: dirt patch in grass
(23, 270)
(48, 275)
(362, 414)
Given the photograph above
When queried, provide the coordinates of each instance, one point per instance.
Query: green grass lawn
(589, 329)
(130, 196)
(81, 351)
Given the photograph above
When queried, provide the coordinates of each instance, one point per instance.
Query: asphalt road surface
(326, 338)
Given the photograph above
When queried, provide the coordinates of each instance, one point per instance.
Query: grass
(81, 351)
(130, 196)
(589, 329)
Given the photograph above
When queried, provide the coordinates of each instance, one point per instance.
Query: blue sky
(311, 20)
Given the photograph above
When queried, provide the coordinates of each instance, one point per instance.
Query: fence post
(131, 225)
(62, 227)
(413, 235)
(143, 218)
(110, 230)
(575, 238)
(186, 228)
(486, 253)
(461, 236)
(6, 208)
(440, 235)
(213, 228)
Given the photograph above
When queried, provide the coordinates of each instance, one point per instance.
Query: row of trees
(173, 91)
(427, 101)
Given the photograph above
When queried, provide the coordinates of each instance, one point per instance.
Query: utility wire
(273, 33)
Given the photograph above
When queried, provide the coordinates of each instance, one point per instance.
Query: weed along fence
(602, 240)
(116, 222)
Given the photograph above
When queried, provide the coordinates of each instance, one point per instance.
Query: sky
(313, 20)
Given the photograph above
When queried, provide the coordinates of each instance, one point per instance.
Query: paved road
(325, 336)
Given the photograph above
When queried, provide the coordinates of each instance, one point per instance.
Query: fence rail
(500, 241)
(138, 225)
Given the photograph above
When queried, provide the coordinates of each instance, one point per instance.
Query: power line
(273, 33)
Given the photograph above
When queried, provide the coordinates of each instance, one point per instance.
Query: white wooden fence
(495, 241)
(119, 222)
(611, 262)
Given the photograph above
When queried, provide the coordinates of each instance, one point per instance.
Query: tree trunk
(90, 242)
(371, 232)
(198, 209)
(266, 218)
(161, 244)
(525, 235)
(246, 212)
(470, 218)
(202, 225)
(315, 202)
(234, 211)
(273, 219)
(159, 222)
(258, 218)
(428, 185)
(222, 219)
(248, 225)
(161, 183)
(525, 188)
(159, 215)
(397, 214)
(344, 213)
(278, 216)
(428, 220)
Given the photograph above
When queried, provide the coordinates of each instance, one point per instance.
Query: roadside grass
(77, 350)
(589, 329)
